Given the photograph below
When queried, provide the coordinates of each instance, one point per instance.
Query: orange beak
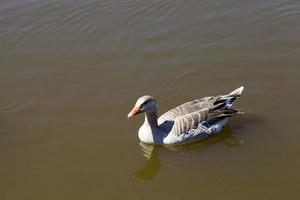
(134, 111)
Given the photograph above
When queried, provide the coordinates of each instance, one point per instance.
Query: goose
(189, 122)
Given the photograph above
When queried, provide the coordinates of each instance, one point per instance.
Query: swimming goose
(191, 121)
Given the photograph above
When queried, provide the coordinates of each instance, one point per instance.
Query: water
(72, 70)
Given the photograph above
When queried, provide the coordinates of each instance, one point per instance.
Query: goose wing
(188, 108)
(209, 103)
(200, 121)
(184, 123)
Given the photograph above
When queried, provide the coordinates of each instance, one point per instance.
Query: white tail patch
(232, 96)
(236, 92)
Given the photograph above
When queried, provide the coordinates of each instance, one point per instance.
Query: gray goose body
(193, 120)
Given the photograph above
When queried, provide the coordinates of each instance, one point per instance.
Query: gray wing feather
(194, 115)
(183, 124)
(188, 107)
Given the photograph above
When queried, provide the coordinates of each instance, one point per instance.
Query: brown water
(72, 70)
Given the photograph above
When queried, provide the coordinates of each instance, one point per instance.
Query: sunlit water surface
(71, 71)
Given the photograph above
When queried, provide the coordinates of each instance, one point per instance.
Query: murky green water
(71, 70)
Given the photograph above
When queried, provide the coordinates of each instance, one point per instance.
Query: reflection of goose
(188, 122)
(152, 165)
(181, 154)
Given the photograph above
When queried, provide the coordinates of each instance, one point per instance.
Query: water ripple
(15, 106)
(96, 26)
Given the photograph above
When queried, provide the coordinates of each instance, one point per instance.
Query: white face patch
(142, 100)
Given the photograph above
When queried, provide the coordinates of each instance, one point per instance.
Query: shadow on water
(190, 152)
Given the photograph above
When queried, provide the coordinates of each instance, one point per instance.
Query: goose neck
(151, 119)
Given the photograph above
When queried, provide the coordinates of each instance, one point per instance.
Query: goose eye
(141, 107)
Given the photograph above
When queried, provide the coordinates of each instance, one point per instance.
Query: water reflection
(181, 153)
(152, 165)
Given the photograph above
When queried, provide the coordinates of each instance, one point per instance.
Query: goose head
(144, 104)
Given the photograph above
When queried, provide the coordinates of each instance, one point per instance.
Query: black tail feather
(216, 115)
(223, 102)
